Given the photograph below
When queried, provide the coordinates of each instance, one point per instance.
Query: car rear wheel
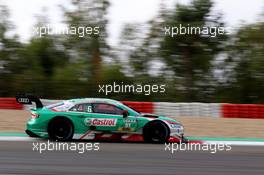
(156, 132)
(60, 129)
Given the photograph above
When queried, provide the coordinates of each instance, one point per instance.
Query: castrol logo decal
(100, 122)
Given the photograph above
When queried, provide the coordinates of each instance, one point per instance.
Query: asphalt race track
(17, 157)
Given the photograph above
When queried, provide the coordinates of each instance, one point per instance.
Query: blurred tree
(9, 53)
(130, 40)
(188, 69)
(138, 51)
(41, 59)
(245, 81)
(140, 43)
(91, 47)
(189, 56)
(67, 66)
(38, 61)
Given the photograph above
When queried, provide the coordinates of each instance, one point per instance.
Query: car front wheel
(156, 132)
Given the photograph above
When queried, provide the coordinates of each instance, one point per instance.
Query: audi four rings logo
(23, 100)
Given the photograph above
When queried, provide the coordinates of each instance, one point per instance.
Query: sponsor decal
(129, 121)
(129, 125)
(100, 122)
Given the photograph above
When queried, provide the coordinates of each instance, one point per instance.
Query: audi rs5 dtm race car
(98, 119)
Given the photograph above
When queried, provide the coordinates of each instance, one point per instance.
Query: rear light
(34, 115)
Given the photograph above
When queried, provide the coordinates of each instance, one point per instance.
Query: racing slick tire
(60, 129)
(156, 132)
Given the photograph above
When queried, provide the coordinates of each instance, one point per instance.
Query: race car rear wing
(28, 99)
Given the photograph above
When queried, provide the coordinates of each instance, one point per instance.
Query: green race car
(98, 119)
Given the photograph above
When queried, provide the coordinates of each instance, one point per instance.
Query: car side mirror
(125, 113)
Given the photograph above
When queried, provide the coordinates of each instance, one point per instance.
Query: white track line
(16, 138)
(234, 143)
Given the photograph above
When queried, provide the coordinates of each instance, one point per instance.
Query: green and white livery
(96, 119)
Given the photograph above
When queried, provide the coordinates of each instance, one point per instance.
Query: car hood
(155, 116)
